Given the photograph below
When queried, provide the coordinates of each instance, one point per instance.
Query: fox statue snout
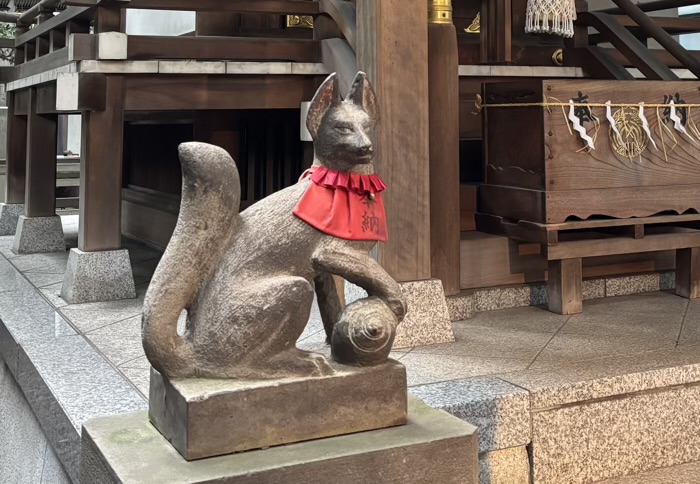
(247, 281)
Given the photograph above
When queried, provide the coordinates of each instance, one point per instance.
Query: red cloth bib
(345, 205)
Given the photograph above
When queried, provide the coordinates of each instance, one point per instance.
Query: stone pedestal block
(204, 418)
(428, 319)
(98, 277)
(9, 217)
(38, 235)
(433, 447)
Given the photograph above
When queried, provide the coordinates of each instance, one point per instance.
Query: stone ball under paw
(364, 334)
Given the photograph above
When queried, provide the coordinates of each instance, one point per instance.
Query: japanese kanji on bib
(345, 205)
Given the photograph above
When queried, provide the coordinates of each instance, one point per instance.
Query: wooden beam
(101, 172)
(70, 14)
(282, 7)
(344, 15)
(688, 272)
(681, 239)
(182, 93)
(444, 156)
(628, 45)
(218, 48)
(392, 48)
(16, 152)
(40, 194)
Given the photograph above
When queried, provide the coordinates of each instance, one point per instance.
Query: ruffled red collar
(345, 205)
(353, 182)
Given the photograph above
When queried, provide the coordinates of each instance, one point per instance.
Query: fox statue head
(343, 129)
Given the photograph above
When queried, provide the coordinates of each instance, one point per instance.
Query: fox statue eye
(345, 129)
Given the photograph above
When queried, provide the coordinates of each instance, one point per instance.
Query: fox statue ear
(327, 96)
(362, 94)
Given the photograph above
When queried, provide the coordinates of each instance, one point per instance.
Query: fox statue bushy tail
(211, 198)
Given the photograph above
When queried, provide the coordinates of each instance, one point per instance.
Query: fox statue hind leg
(208, 218)
(253, 330)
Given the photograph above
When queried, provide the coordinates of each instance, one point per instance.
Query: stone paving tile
(427, 368)
(140, 377)
(680, 474)
(657, 314)
(53, 294)
(573, 348)
(86, 320)
(690, 332)
(534, 319)
(490, 342)
(119, 342)
(40, 279)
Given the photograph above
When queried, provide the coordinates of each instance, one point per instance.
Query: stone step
(583, 423)
(680, 474)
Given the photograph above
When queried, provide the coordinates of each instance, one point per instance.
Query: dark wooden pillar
(220, 128)
(565, 286)
(392, 48)
(443, 65)
(101, 163)
(110, 19)
(40, 191)
(16, 152)
(688, 273)
(496, 32)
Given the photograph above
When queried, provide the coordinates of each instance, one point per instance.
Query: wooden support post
(688, 273)
(392, 48)
(40, 191)
(443, 65)
(565, 286)
(101, 172)
(496, 32)
(16, 153)
(110, 19)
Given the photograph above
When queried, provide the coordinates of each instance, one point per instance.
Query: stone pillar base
(9, 216)
(98, 277)
(432, 447)
(38, 235)
(428, 319)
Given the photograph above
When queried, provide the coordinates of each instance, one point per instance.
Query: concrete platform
(616, 387)
(433, 447)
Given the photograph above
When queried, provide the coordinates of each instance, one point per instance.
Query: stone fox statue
(247, 280)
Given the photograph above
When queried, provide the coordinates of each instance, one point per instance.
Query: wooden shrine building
(491, 183)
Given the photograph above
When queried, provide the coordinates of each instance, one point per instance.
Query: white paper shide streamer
(551, 17)
(578, 127)
(677, 123)
(611, 120)
(645, 125)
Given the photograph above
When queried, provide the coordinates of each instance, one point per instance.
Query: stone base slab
(9, 217)
(433, 447)
(98, 277)
(38, 235)
(204, 418)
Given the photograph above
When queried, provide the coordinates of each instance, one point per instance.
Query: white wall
(155, 22)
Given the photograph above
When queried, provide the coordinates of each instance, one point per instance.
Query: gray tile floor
(523, 344)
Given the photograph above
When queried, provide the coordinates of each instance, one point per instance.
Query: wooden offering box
(537, 170)
(544, 185)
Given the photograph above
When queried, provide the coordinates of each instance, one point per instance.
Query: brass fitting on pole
(440, 12)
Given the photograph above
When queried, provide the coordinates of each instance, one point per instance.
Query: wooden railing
(57, 40)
